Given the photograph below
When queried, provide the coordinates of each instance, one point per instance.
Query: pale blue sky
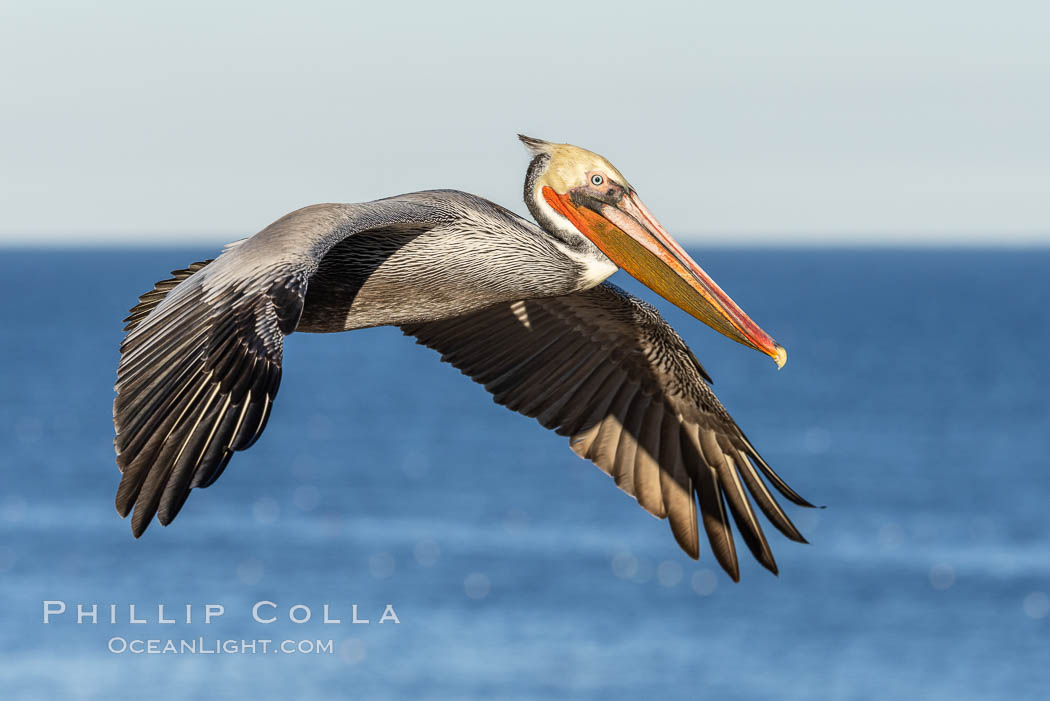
(738, 122)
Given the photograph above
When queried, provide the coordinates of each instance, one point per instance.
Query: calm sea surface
(915, 406)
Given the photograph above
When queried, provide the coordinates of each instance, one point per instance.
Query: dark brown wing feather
(199, 370)
(201, 362)
(606, 370)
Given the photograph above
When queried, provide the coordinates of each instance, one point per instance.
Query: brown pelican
(521, 309)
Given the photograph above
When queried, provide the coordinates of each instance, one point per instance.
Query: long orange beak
(631, 237)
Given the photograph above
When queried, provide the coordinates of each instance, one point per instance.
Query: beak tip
(781, 357)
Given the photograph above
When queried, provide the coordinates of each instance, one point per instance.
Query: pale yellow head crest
(570, 166)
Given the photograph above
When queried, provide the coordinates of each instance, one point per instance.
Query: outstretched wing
(605, 369)
(196, 381)
(201, 362)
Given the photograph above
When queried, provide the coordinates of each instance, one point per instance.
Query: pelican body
(522, 309)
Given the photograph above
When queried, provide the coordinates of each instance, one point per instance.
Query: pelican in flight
(522, 309)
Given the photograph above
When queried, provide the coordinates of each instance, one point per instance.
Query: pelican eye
(597, 180)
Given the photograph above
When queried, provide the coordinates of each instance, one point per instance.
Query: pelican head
(576, 192)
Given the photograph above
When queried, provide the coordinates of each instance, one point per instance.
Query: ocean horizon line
(894, 242)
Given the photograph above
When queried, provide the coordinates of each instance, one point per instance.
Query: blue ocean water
(914, 406)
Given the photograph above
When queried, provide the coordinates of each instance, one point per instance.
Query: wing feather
(677, 488)
(647, 485)
(201, 362)
(606, 370)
